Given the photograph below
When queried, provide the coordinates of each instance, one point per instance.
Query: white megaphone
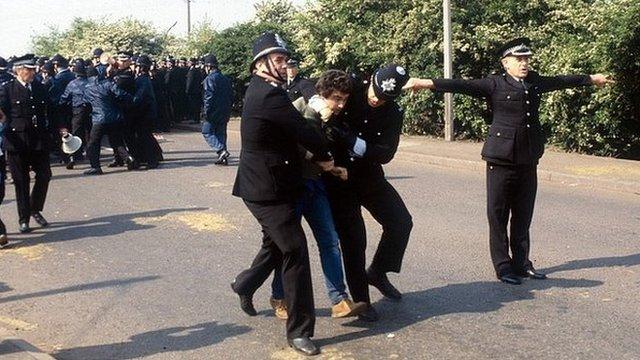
(70, 143)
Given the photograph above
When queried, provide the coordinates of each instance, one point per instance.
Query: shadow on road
(628, 260)
(475, 297)
(158, 341)
(81, 287)
(96, 227)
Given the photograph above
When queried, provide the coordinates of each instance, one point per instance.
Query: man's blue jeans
(314, 206)
(216, 134)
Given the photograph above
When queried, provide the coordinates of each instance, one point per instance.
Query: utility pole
(188, 17)
(448, 73)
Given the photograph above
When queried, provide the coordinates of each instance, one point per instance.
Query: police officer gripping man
(366, 136)
(269, 180)
(512, 150)
(26, 140)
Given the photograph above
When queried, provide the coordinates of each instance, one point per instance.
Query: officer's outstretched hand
(415, 84)
(326, 165)
(601, 80)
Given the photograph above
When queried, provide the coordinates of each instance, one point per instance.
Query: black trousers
(20, 163)
(511, 192)
(3, 179)
(80, 124)
(194, 102)
(387, 208)
(284, 248)
(114, 132)
(147, 145)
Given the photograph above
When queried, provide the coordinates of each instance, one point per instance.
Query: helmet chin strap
(271, 70)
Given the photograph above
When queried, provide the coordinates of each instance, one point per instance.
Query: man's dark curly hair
(334, 80)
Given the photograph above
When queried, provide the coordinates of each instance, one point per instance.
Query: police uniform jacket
(144, 102)
(74, 93)
(194, 81)
(104, 96)
(515, 136)
(218, 97)
(61, 113)
(271, 129)
(301, 87)
(379, 127)
(26, 120)
(4, 77)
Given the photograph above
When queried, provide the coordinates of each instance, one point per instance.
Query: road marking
(17, 324)
(326, 353)
(30, 253)
(196, 220)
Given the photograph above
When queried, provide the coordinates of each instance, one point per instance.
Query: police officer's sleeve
(4, 100)
(553, 83)
(123, 97)
(279, 110)
(65, 99)
(384, 147)
(209, 97)
(476, 88)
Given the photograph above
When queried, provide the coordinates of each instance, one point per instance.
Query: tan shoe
(4, 242)
(346, 308)
(280, 308)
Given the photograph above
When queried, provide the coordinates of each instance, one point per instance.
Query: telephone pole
(188, 17)
(448, 73)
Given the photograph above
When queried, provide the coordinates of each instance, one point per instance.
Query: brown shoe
(280, 308)
(347, 308)
(4, 242)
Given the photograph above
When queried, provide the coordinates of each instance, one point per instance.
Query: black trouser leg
(147, 148)
(93, 147)
(115, 131)
(41, 167)
(386, 206)
(19, 167)
(283, 240)
(81, 116)
(350, 226)
(522, 204)
(3, 178)
(499, 192)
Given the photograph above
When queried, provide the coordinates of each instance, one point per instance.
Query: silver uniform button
(508, 96)
(366, 121)
(491, 167)
(528, 125)
(352, 159)
(359, 134)
(498, 134)
(33, 106)
(286, 162)
(526, 92)
(379, 134)
(528, 114)
(528, 102)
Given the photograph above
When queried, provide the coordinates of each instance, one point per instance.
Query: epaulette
(7, 82)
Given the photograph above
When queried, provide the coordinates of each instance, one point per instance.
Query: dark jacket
(379, 127)
(515, 136)
(144, 102)
(194, 82)
(105, 96)
(176, 80)
(74, 93)
(271, 129)
(300, 87)
(218, 97)
(61, 114)
(4, 77)
(26, 125)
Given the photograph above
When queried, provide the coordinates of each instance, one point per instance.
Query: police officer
(171, 82)
(269, 180)
(194, 91)
(218, 99)
(125, 80)
(106, 99)
(74, 96)
(512, 149)
(4, 73)
(366, 136)
(26, 140)
(61, 113)
(296, 85)
(146, 111)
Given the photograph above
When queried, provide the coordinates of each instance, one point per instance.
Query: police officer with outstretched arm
(512, 149)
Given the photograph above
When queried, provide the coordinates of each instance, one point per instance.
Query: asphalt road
(138, 265)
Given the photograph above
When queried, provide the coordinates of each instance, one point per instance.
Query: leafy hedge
(570, 36)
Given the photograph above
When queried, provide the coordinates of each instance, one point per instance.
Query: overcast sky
(21, 19)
